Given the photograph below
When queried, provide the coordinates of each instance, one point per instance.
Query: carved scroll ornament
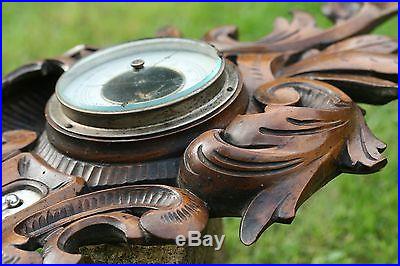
(259, 166)
(61, 226)
(301, 129)
(302, 33)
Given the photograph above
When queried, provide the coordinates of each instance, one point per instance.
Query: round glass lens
(139, 75)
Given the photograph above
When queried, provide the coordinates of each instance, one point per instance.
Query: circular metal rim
(61, 122)
(106, 51)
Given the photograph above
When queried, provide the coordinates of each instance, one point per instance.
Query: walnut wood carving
(60, 220)
(62, 227)
(15, 141)
(264, 166)
(26, 90)
(302, 33)
(363, 66)
(301, 129)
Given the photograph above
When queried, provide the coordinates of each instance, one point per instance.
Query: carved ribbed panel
(25, 111)
(124, 197)
(164, 171)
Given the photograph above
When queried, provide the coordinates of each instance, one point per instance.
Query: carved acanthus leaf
(169, 212)
(302, 33)
(264, 166)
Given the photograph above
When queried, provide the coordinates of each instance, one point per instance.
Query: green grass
(352, 220)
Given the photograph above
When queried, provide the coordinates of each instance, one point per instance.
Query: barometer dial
(139, 75)
(152, 96)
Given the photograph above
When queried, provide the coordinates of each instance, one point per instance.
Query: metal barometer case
(146, 140)
(112, 101)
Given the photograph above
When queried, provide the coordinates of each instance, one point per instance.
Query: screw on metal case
(12, 201)
(137, 64)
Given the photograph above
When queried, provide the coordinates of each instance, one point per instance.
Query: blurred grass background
(352, 220)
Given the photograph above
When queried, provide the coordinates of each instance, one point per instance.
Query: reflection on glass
(145, 85)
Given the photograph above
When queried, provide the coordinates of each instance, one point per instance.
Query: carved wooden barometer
(149, 139)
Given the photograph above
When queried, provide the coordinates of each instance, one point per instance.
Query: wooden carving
(363, 66)
(61, 226)
(15, 141)
(28, 88)
(302, 33)
(263, 166)
(302, 128)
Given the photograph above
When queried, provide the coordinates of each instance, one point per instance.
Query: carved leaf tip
(268, 207)
(363, 151)
(169, 31)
